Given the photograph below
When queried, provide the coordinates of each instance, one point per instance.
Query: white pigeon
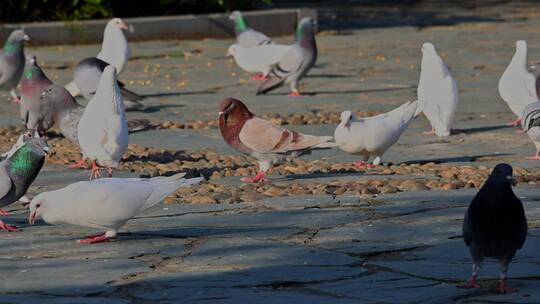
(437, 92)
(114, 49)
(103, 129)
(517, 85)
(258, 59)
(106, 203)
(530, 122)
(372, 136)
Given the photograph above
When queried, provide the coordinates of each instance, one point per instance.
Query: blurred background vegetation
(48, 10)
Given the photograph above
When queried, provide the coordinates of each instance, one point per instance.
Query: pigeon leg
(503, 288)
(259, 77)
(521, 131)
(260, 177)
(4, 212)
(362, 165)
(8, 228)
(80, 164)
(472, 281)
(14, 98)
(95, 171)
(535, 156)
(294, 93)
(432, 132)
(515, 123)
(109, 172)
(92, 239)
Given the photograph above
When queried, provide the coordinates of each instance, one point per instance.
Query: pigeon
(261, 139)
(437, 92)
(12, 62)
(33, 83)
(114, 49)
(258, 59)
(18, 171)
(530, 122)
(86, 77)
(296, 63)
(106, 203)
(102, 131)
(495, 225)
(24, 137)
(246, 36)
(372, 136)
(517, 85)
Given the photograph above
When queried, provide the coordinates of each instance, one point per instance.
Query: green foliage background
(46, 10)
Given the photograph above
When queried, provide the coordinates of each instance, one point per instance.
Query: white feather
(258, 59)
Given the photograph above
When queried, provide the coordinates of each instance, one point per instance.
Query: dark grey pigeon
(296, 63)
(87, 75)
(12, 62)
(495, 225)
(18, 171)
(246, 36)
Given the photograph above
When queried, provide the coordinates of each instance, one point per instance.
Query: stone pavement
(402, 247)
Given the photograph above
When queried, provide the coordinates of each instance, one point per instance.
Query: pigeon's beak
(26, 37)
(512, 180)
(123, 26)
(220, 113)
(32, 218)
(46, 150)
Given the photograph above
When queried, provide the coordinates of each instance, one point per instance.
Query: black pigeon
(495, 225)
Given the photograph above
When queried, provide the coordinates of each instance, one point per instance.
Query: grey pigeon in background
(530, 121)
(18, 171)
(495, 225)
(105, 204)
(12, 62)
(258, 59)
(296, 63)
(33, 83)
(103, 131)
(246, 36)
(87, 75)
(372, 136)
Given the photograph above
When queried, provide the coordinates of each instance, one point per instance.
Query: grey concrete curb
(277, 22)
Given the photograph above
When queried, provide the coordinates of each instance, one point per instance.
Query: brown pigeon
(263, 140)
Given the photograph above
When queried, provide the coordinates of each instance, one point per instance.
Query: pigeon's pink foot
(362, 165)
(92, 239)
(515, 123)
(432, 132)
(534, 157)
(260, 177)
(8, 228)
(4, 212)
(521, 131)
(80, 164)
(505, 289)
(471, 284)
(259, 77)
(294, 94)
(109, 172)
(95, 171)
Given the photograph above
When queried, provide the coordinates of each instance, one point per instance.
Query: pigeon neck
(240, 24)
(114, 49)
(32, 72)
(305, 38)
(12, 47)
(520, 58)
(24, 163)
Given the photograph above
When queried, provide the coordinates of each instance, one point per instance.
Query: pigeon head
(232, 111)
(14, 42)
(235, 15)
(306, 28)
(521, 45)
(116, 23)
(502, 173)
(38, 145)
(37, 207)
(240, 24)
(428, 47)
(346, 119)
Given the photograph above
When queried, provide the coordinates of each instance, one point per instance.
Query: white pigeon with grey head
(105, 204)
(12, 60)
(246, 36)
(437, 92)
(296, 63)
(103, 130)
(517, 86)
(530, 122)
(258, 59)
(372, 136)
(18, 171)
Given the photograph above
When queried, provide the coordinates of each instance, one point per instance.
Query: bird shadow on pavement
(181, 93)
(455, 159)
(479, 129)
(308, 93)
(290, 177)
